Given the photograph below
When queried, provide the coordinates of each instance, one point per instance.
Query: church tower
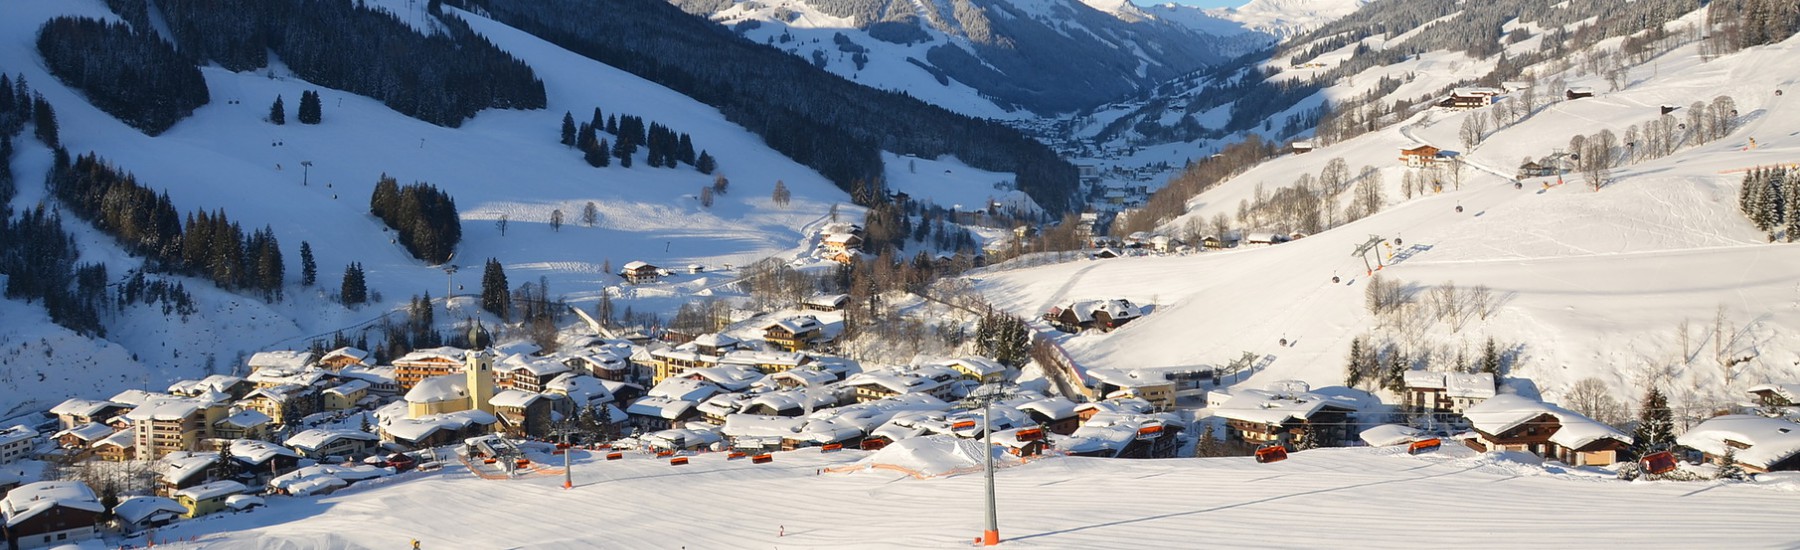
(478, 366)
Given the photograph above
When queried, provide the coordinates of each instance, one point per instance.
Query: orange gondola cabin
(1272, 453)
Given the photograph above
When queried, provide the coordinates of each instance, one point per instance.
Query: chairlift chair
(1424, 445)
(1271, 453)
(1658, 463)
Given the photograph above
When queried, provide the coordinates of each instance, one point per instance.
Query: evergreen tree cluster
(1770, 197)
(141, 289)
(424, 216)
(146, 223)
(820, 120)
(441, 78)
(494, 298)
(1746, 23)
(311, 112)
(667, 147)
(134, 76)
(15, 104)
(39, 260)
(354, 289)
(1004, 338)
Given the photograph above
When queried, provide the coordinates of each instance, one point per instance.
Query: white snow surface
(1050, 503)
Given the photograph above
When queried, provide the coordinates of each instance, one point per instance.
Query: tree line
(133, 76)
(145, 223)
(667, 148)
(441, 78)
(829, 124)
(424, 216)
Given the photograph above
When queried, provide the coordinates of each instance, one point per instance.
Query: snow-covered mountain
(1005, 59)
(1621, 285)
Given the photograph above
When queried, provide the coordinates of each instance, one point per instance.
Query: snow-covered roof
(1507, 411)
(81, 407)
(258, 452)
(1118, 308)
(1128, 378)
(1479, 385)
(760, 357)
(134, 398)
(515, 398)
(241, 501)
(660, 407)
(1110, 432)
(437, 354)
(794, 325)
(136, 509)
(1391, 434)
(86, 432)
(415, 429)
(439, 389)
(727, 377)
(805, 376)
(1769, 440)
(1055, 408)
(582, 388)
(215, 489)
(681, 438)
(280, 359)
(340, 472)
(1790, 392)
(247, 418)
(16, 434)
(353, 354)
(217, 382)
(635, 265)
(869, 415)
(318, 438)
(805, 400)
(282, 393)
(166, 408)
(980, 366)
(372, 375)
(348, 388)
(715, 340)
(827, 300)
(923, 379)
(281, 376)
(27, 501)
(1270, 407)
(1423, 380)
(180, 466)
(535, 367)
(121, 439)
(683, 389)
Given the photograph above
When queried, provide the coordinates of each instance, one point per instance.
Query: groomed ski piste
(1327, 498)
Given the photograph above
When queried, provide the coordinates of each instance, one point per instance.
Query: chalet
(1578, 93)
(75, 412)
(638, 272)
(1288, 413)
(802, 378)
(581, 390)
(1535, 170)
(117, 447)
(703, 352)
(682, 440)
(1217, 242)
(1300, 147)
(1055, 414)
(380, 379)
(795, 402)
(714, 409)
(603, 363)
(285, 404)
(413, 367)
(184, 469)
(826, 302)
(1265, 237)
(80, 438)
(16, 443)
(261, 460)
(1104, 315)
(168, 424)
(1157, 389)
(1470, 98)
(876, 385)
(521, 373)
(1758, 444)
(1776, 395)
(50, 513)
(766, 362)
(244, 424)
(979, 369)
(1514, 423)
(138, 513)
(344, 396)
(339, 358)
(1125, 435)
(1421, 156)
(727, 377)
(270, 377)
(205, 499)
(660, 413)
(318, 443)
(794, 333)
(523, 414)
(1106, 254)
(437, 429)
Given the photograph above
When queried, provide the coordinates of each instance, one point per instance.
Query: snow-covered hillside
(1322, 498)
(501, 164)
(1587, 284)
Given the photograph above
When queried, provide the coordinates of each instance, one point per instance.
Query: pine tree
(1728, 466)
(598, 122)
(309, 271)
(494, 296)
(1395, 377)
(1209, 444)
(277, 112)
(568, 129)
(44, 117)
(1656, 424)
(684, 152)
(1353, 367)
(597, 156)
(705, 163)
(354, 289)
(622, 149)
(1790, 183)
(1490, 358)
(612, 125)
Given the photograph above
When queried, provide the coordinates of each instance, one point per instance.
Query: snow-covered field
(1338, 498)
(1589, 284)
